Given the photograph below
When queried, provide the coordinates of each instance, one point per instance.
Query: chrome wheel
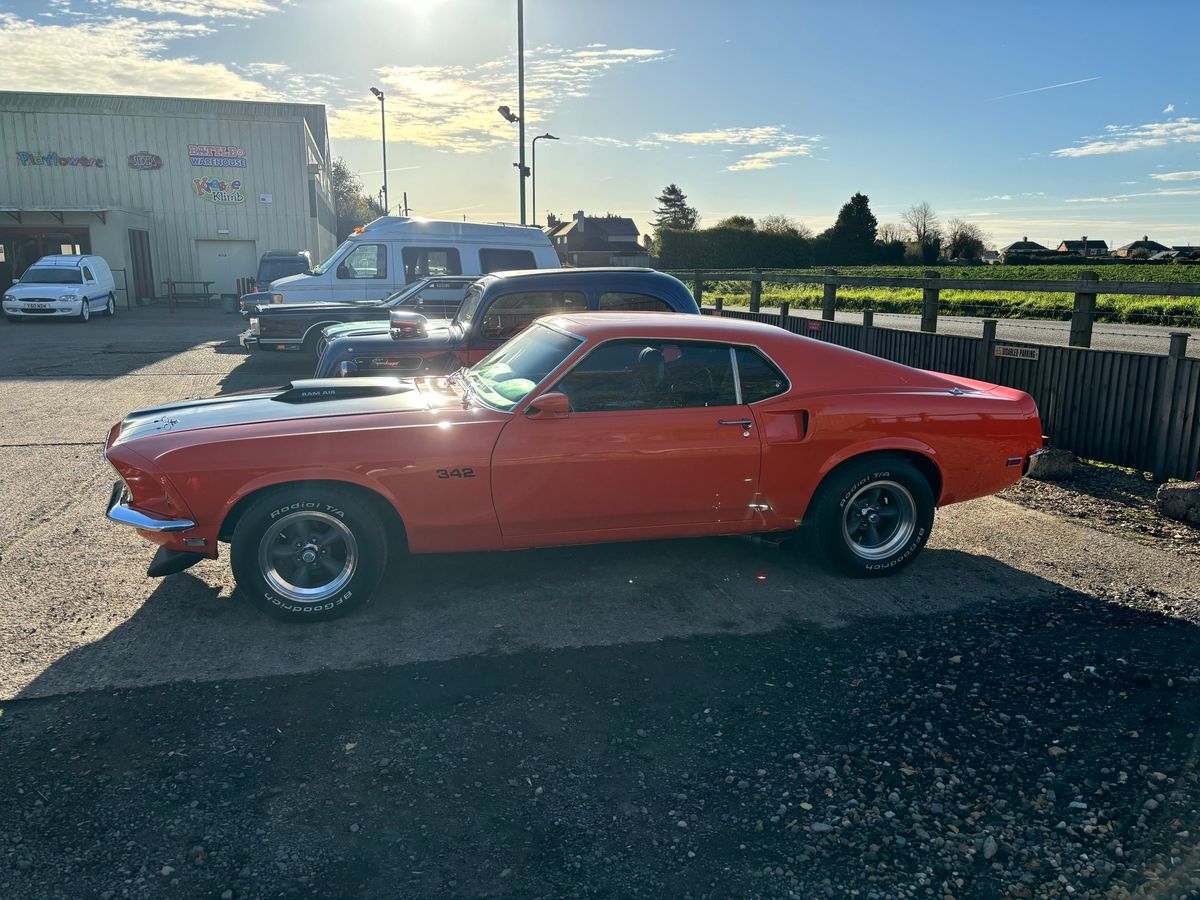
(879, 519)
(85, 310)
(308, 556)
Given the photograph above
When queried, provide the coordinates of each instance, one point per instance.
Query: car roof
(61, 261)
(560, 279)
(605, 325)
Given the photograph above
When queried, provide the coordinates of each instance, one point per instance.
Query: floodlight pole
(383, 135)
(521, 101)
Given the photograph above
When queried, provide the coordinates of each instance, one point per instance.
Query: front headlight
(69, 297)
(9, 297)
(254, 325)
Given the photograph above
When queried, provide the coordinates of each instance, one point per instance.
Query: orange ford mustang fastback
(585, 428)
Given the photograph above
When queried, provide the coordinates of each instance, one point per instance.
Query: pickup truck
(297, 326)
(496, 308)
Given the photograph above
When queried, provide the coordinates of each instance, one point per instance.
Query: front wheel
(872, 517)
(306, 554)
(85, 309)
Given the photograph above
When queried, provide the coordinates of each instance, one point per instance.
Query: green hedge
(731, 248)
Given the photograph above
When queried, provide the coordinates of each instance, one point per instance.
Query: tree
(352, 206)
(922, 222)
(780, 224)
(673, 211)
(742, 223)
(851, 239)
(964, 240)
(890, 233)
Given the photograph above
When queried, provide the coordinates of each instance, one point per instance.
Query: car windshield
(331, 259)
(507, 375)
(469, 305)
(48, 275)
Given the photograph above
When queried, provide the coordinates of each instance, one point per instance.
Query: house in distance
(607, 240)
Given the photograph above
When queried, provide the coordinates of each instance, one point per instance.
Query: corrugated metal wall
(275, 138)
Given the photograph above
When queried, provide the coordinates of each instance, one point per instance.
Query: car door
(656, 443)
(509, 314)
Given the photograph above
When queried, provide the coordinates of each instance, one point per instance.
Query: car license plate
(37, 305)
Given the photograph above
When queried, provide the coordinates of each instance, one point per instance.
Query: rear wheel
(871, 517)
(307, 553)
(110, 308)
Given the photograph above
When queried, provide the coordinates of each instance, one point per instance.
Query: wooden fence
(1133, 409)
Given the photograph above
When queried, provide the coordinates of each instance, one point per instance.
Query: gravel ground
(1110, 498)
(1013, 716)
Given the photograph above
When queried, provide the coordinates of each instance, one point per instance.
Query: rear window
(511, 313)
(49, 275)
(281, 267)
(622, 300)
(505, 260)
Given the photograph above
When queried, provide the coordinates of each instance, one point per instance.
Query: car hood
(42, 290)
(308, 399)
(437, 332)
(279, 309)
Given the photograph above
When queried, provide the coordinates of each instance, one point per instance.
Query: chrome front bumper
(121, 512)
(248, 339)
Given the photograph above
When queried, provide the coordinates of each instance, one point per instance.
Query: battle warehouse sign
(25, 158)
(217, 157)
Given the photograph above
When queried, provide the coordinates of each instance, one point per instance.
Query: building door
(139, 262)
(224, 262)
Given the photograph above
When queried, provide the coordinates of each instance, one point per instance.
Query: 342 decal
(455, 473)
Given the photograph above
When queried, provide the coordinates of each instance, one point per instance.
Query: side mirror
(404, 323)
(550, 405)
(16, 281)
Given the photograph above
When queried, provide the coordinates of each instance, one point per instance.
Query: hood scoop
(320, 390)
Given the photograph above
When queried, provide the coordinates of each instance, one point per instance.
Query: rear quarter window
(759, 377)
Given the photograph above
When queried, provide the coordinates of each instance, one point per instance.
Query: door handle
(743, 423)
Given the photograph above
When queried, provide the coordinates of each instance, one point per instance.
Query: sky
(1048, 120)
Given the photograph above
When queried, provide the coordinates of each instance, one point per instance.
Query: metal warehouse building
(162, 187)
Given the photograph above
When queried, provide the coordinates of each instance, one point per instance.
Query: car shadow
(264, 370)
(193, 626)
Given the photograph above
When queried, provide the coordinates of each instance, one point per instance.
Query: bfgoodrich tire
(308, 553)
(872, 517)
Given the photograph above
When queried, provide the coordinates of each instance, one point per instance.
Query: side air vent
(320, 390)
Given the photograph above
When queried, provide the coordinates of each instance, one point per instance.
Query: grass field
(993, 304)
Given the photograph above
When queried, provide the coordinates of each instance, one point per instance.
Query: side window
(637, 375)
(509, 314)
(365, 261)
(760, 379)
(505, 260)
(421, 262)
(621, 300)
(87, 274)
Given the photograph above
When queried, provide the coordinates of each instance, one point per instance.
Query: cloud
(123, 57)
(1169, 108)
(204, 9)
(1127, 138)
(453, 107)
(1176, 176)
(1048, 87)
(999, 197)
(778, 144)
(1123, 198)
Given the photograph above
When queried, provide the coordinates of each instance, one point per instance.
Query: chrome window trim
(737, 375)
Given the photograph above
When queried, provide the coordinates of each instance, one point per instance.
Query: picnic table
(188, 290)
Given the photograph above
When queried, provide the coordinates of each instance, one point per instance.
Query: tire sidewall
(837, 493)
(353, 512)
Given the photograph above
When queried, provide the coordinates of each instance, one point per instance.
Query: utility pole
(521, 170)
(383, 135)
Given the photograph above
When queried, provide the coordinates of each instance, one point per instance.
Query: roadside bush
(731, 248)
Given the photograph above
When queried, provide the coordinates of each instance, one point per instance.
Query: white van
(62, 286)
(393, 251)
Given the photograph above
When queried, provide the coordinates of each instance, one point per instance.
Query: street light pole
(383, 134)
(521, 101)
(533, 171)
